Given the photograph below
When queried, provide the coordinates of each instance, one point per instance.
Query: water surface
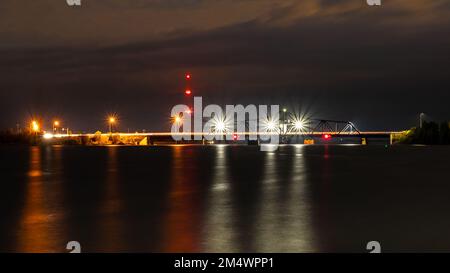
(224, 198)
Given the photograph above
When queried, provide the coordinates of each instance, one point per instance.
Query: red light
(326, 136)
(235, 136)
(188, 92)
(189, 111)
(188, 76)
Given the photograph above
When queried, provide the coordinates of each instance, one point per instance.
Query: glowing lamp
(220, 126)
(35, 126)
(299, 125)
(48, 136)
(271, 125)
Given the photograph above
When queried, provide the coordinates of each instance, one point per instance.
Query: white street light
(299, 125)
(220, 126)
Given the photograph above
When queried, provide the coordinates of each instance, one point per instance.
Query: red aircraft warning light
(188, 92)
(188, 76)
(326, 136)
(235, 137)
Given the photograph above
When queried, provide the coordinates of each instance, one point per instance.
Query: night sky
(337, 59)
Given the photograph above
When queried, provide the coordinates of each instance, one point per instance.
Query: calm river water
(224, 198)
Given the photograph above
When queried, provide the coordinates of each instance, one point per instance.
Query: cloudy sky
(336, 59)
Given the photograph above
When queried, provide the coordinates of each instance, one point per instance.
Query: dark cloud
(341, 60)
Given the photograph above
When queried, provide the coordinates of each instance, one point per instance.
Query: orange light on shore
(56, 123)
(35, 126)
(112, 120)
(177, 119)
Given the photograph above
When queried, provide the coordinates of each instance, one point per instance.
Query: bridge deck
(312, 134)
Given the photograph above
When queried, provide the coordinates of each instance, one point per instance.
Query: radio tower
(188, 90)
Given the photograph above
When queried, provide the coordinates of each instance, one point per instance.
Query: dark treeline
(431, 133)
(8, 137)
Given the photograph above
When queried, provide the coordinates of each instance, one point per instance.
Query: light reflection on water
(219, 229)
(110, 234)
(41, 221)
(179, 225)
(223, 198)
(285, 210)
